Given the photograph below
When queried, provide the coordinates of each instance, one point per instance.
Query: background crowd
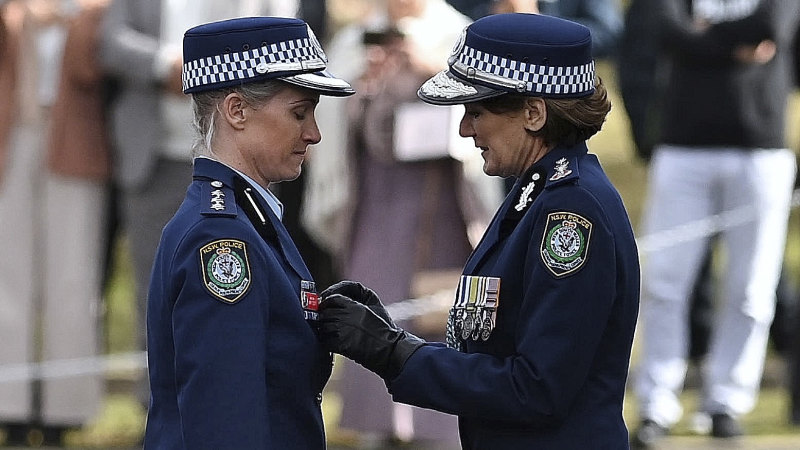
(95, 146)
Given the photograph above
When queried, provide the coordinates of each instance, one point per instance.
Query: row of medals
(476, 303)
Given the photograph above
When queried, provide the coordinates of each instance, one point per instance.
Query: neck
(537, 153)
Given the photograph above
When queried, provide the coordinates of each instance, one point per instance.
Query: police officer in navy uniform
(540, 333)
(234, 357)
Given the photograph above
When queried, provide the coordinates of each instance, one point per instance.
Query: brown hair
(569, 120)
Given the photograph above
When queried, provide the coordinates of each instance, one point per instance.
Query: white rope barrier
(64, 368)
(399, 311)
(701, 228)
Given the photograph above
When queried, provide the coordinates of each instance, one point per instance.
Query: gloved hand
(355, 331)
(362, 294)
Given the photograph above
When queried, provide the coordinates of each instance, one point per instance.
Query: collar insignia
(525, 197)
(562, 169)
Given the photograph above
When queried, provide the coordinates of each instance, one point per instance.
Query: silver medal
(469, 325)
(487, 328)
(477, 328)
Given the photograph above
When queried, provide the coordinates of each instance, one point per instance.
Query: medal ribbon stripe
(461, 298)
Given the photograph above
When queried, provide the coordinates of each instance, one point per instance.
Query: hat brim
(444, 88)
(323, 82)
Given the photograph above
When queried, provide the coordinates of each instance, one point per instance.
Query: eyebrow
(311, 100)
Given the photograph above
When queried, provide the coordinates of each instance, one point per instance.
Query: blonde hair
(205, 108)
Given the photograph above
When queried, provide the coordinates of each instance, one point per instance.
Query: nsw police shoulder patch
(226, 271)
(565, 242)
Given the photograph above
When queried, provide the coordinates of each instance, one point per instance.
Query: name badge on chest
(309, 300)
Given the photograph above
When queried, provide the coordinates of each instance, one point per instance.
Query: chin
(490, 170)
(295, 174)
(288, 176)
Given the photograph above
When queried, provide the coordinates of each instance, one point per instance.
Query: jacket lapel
(514, 207)
(269, 226)
(492, 236)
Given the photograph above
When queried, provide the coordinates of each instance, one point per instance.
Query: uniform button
(319, 398)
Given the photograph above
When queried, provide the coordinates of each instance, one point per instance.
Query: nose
(465, 128)
(312, 134)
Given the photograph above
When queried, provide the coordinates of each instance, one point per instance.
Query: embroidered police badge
(226, 271)
(565, 243)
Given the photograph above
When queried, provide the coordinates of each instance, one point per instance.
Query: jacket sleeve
(220, 357)
(561, 324)
(775, 20)
(679, 36)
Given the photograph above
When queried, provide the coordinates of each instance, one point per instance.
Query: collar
(205, 166)
(556, 167)
(560, 165)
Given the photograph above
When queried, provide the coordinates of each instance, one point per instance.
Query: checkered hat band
(297, 54)
(535, 79)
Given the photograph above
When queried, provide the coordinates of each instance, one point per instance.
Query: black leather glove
(353, 330)
(361, 294)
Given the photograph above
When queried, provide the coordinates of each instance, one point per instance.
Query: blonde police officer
(234, 359)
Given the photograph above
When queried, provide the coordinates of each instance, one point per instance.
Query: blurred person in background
(54, 196)
(643, 74)
(234, 357)
(794, 370)
(402, 223)
(53, 193)
(722, 147)
(151, 118)
(539, 336)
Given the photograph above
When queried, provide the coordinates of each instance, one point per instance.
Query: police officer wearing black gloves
(234, 358)
(540, 334)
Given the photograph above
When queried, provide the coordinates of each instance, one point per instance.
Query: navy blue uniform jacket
(552, 374)
(233, 362)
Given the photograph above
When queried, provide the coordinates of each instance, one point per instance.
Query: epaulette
(216, 199)
(565, 171)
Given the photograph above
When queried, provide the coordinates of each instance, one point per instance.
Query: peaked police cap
(529, 54)
(243, 50)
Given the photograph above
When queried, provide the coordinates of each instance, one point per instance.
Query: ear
(233, 110)
(535, 112)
